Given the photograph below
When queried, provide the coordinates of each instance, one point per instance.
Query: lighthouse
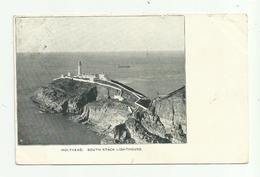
(79, 68)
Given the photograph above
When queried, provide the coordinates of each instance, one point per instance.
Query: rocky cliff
(67, 95)
(116, 121)
(103, 115)
(64, 95)
(172, 112)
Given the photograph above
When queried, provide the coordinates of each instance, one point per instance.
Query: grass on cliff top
(71, 86)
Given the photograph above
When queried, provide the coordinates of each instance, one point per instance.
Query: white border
(45, 7)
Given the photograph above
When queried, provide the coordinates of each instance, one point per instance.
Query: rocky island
(120, 114)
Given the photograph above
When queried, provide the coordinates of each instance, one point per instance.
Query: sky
(100, 34)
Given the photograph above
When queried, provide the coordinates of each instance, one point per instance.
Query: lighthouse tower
(79, 68)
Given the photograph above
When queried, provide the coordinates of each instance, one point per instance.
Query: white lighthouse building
(79, 69)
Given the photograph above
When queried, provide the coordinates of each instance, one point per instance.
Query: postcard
(131, 89)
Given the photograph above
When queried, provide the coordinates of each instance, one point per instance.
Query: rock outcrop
(103, 115)
(172, 112)
(64, 95)
(141, 135)
(131, 132)
(150, 122)
(121, 122)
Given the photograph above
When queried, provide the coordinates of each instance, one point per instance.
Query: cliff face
(172, 112)
(150, 122)
(103, 115)
(105, 92)
(117, 121)
(141, 135)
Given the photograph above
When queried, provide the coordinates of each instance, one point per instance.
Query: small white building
(69, 74)
(102, 77)
(89, 77)
(118, 97)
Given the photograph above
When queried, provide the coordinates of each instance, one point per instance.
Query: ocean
(150, 73)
